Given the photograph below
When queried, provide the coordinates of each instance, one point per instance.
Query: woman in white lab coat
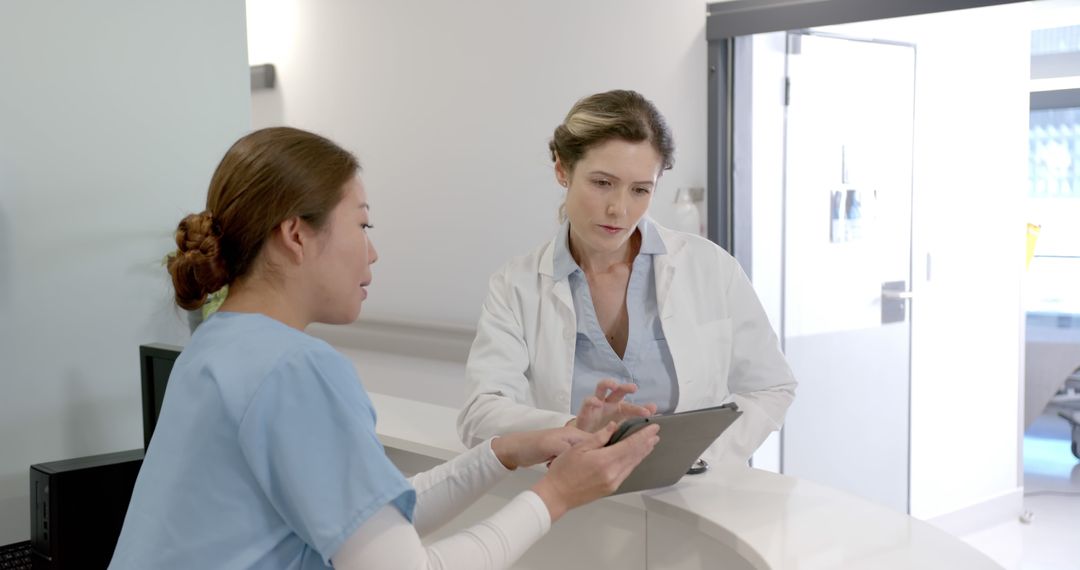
(616, 306)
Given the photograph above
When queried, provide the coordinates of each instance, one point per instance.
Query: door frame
(733, 18)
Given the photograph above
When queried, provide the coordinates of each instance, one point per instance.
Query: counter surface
(767, 520)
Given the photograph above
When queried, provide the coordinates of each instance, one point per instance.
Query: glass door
(847, 262)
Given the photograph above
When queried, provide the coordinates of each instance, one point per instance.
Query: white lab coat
(521, 365)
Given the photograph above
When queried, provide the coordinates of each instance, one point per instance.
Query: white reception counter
(730, 517)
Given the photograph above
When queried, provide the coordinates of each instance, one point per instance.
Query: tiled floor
(1051, 541)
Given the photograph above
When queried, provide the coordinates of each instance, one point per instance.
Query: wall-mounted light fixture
(263, 76)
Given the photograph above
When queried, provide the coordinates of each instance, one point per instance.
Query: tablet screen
(684, 436)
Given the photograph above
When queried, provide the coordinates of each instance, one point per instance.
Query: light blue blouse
(647, 360)
(264, 456)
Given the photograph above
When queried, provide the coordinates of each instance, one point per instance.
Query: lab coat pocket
(716, 348)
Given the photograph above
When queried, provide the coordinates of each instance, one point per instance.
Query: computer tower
(77, 509)
(155, 363)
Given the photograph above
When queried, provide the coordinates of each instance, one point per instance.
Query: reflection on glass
(1052, 291)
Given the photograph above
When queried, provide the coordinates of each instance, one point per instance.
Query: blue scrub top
(264, 455)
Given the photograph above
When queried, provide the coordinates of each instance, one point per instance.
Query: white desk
(731, 517)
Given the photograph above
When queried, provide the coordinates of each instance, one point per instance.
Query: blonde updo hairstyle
(265, 178)
(612, 115)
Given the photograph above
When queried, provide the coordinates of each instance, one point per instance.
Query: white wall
(450, 106)
(112, 118)
(969, 189)
(972, 188)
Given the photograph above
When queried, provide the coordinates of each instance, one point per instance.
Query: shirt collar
(651, 244)
(564, 264)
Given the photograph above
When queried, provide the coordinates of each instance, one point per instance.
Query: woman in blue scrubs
(265, 454)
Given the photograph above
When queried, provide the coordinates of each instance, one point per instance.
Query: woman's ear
(291, 235)
(561, 175)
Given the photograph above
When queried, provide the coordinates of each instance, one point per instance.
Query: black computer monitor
(156, 363)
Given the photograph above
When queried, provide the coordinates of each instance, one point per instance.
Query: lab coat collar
(664, 268)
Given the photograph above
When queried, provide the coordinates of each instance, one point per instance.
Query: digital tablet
(683, 438)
